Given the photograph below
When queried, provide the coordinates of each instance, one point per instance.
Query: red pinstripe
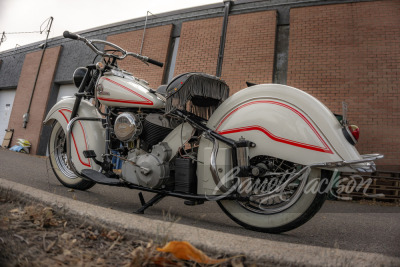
(324, 149)
(145, 101)
(84, 136)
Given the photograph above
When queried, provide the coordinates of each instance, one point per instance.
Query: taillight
(352, 133)
(355, 131)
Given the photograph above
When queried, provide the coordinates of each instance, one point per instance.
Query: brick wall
(156, 44)
(249, 49)
(351, 52)
(39, 102)
(198, 46)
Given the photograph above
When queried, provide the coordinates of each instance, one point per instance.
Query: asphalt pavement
(345, 225)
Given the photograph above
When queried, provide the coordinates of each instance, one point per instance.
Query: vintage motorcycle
(266, 154)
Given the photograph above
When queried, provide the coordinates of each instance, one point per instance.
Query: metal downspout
(227, 8)
(26, 115)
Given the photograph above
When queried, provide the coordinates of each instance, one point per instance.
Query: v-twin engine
(151, 129)
(149, 169)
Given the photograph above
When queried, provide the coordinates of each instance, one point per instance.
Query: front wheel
(59, 163)
(272, 217)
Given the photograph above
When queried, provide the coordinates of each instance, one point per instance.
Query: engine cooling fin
(154, 131)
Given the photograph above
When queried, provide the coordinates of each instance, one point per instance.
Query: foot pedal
(193, 202)
(89, 154)
(100, 178)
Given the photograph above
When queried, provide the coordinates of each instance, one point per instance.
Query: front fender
(86, 135)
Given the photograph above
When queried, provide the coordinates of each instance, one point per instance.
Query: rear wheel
(297, 203)
(59, 162)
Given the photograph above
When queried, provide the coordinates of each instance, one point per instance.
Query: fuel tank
(126, 91)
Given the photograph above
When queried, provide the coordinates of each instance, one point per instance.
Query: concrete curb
(258, 250)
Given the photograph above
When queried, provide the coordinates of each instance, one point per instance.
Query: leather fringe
(198, 93)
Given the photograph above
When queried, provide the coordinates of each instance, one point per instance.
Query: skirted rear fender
(283, 122)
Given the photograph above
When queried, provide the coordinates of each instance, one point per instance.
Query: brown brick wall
(198, 46)
(351, 52)
(40, 97)
(156, 44)
(249, 49)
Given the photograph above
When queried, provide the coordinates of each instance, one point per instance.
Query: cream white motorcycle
(266, 154)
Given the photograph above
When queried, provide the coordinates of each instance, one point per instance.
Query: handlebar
(124, 53)
(155, 62)
(69, 35)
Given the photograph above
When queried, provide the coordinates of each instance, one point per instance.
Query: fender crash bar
(367, 158)
(69, 134)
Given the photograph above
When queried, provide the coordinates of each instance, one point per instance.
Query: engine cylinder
(155, 129)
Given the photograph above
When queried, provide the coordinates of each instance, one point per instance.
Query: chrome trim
(60, 155)
(91, 43)
(242, 155)
(367, 158)
(294, 198)
(213, 165)
(345, 108)
(69, 134)
(130, 124)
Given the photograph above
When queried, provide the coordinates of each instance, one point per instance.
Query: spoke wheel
(58, 159)
(290, 209)
(60, 154)
(273, 172)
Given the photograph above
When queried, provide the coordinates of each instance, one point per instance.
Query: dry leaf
(236, 262)
(66, 236)
(113, 235)
(100, 261)
(185, 251)
(92, 236)
(67, 252)
(15, 211)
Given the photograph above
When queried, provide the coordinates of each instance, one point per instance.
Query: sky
(75, 15)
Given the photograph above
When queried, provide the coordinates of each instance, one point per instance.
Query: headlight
(78, 76)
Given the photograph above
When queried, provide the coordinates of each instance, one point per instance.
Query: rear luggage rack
(366, 164)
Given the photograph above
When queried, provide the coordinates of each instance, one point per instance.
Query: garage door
(66, 90)
(6, 103)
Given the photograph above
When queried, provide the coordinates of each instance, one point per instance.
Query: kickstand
(150, 203)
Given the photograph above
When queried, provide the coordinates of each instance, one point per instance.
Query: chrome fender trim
(366, 164)
(69, 134)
